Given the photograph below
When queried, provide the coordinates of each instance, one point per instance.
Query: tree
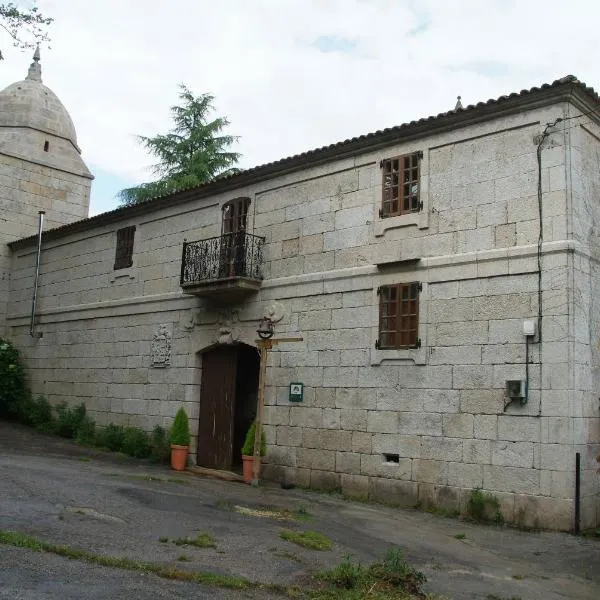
(191, 154)
(26, 26)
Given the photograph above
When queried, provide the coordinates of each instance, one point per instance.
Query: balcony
(228, 266)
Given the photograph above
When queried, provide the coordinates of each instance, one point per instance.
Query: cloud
(295, 75)
(327, 43)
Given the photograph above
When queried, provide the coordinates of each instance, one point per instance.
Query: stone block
(288, 436)
(430, 471)
(511, 479)
(135, 406)
(442, 401)
(420, 424)
(355, 486)
(355, 398)
(325, 397)
(324, 480)
(362, 442)
(353, 420)
(512, 454)
(472, 377)
(303, 416)
(540, 512)
(331, 418)
(315, 320)
(338, 376)
(485, 427)
(476, 402)
(477, 451)
(557, 457)
(465, 475)
(355, 317)
(348, 462)
(376, 465)
(382, 421)
(519, 429)
(457, 425)
(398, 493)
(311, 458)
(456, 355)
(436, 448)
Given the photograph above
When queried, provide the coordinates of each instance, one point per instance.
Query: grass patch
(84, 459)
(391, 579)
(19, 540)
(202, 540)
(313, 540)
(460, 536)
(163, 540)
(183, 558)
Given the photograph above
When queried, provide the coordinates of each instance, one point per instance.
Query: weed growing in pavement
(20, 540)
(202, 540)
(391, 579)
(460, 536)
(313, 540)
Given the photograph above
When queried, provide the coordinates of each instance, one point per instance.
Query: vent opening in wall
(391, 458)
(46, 146)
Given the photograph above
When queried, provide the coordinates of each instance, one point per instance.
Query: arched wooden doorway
(227, 404)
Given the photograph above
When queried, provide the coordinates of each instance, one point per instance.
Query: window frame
(405, 300)
(124, 248)
(414, 168)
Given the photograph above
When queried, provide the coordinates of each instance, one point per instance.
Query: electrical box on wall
(529, 327)
(516, 389)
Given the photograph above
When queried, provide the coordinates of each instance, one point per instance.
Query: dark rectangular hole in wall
(46, 146)
(393, 458)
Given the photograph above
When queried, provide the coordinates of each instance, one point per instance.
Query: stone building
(443, 275)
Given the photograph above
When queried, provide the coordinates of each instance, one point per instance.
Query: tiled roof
(456, 117)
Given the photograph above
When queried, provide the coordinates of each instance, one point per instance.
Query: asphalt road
(113, 506)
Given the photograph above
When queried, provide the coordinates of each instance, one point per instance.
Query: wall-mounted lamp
(265, 328)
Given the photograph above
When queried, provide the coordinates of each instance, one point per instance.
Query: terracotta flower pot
(179, 456)
(248, 465)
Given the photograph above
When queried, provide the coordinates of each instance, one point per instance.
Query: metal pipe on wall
(37, 275)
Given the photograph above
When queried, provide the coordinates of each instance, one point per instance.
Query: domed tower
(40, 166)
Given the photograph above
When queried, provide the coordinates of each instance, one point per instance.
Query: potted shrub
(180, 440)
(248, 451)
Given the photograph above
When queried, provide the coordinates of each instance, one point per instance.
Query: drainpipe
(32, 332)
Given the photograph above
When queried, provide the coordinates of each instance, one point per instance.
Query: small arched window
(235, 213)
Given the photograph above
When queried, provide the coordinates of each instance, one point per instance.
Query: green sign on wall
(296, 392)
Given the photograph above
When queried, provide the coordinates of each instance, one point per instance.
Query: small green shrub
(36, 412)
(86, 433)
(111, 437)
(160, 450)
(397, 572)
(136, 443)
(68, 420)
(347, 575)
(248, 447)
(13, 389)
(180, 432)
(484, 507)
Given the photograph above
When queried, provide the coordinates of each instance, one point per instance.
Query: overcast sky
(292, 75)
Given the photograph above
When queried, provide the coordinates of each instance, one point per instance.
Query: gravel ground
(113, 506)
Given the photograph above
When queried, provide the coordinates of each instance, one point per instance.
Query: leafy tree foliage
(25, 25)
(13, 389)
(194, 152)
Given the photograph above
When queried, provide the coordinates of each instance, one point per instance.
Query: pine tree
(192, 153)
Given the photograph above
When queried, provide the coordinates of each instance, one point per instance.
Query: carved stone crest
(161, 347)
(228, 330)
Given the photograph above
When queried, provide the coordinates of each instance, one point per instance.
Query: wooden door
(217, 405)
(233, 238)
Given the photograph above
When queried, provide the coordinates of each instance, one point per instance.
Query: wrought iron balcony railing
(229, 256)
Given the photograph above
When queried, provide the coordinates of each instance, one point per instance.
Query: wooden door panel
(217, 405)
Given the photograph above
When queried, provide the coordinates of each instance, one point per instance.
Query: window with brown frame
(124, 251)
(399, 316)
(235, 213)
(401, 185)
